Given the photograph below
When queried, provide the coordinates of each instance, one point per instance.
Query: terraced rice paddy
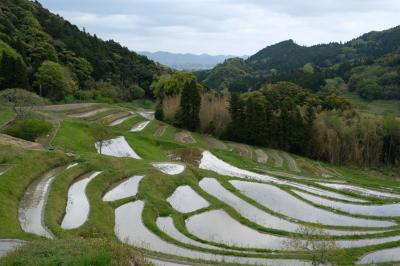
(126, 189)
(184, 137)
(140, 126)
(386, 210)
(117, 147)
(181, 204)
(244, 150)
(32, 206)
(130, 229)
(214, 143)
(121, 119)
(277, 158)
(284, 203)
(386, 255)
(362, 191)
(185, 199)
(9, 245)
(169, 168)
(78, 206)
(90, 113)
(262, 156)
(160, 131)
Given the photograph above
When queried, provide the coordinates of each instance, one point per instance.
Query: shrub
(29, 128)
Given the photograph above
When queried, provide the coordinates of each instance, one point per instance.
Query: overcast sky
(237, 27)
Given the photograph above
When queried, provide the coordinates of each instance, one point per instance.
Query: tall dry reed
(213, 111)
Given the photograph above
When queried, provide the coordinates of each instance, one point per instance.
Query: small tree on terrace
(316, 242)
(188, 114)
(101, 133)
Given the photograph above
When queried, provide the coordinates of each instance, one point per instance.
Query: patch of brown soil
(291, 162)
(243, 150)
(215, 143)
(277, 158)
(186, 155)
(160, 131)
(184, 137)
(20, 143)
(262, 157)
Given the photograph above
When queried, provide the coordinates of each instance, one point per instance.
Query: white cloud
(226, 26)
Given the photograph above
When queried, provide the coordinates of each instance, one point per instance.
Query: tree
(255, 123)
(53, 81)
(136, 92)
(169, 85)
(21, 101)
(159, 113)
(236, 110)
(316, 242)
(101, 133)
(13, 72)
(188, 114)
(391, 141)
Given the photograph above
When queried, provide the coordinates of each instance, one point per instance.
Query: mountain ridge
(187, 61)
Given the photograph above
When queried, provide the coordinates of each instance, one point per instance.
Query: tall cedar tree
(188, 115)
(13, 72)
(235, 128)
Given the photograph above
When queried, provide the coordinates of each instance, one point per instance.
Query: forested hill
(281, 62)
(38, 36)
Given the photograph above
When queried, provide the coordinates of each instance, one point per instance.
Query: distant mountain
(281, 60)
(187, 61)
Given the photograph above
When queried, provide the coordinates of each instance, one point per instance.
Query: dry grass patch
(160, 131)
(244, 150)
(186, 155)
(184, 137)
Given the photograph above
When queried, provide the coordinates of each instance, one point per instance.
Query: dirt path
(244, 150)
(121, 119)
(160, 131)
(89, 113)
(277, 158)
(262, 157)
(184, 137)
(215, 143)
(8, 140)
(64, 107)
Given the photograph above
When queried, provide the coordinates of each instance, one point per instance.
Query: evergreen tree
(255, 122)
(13, 72)
(188, 114)
(159, 113)
(235, 128)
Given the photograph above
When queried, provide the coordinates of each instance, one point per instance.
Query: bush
(29, 129)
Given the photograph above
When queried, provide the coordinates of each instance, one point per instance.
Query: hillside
(191, 198)
(285, 61)
(188, 62)
(32, 33)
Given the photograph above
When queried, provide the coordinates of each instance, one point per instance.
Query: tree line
(285, 116)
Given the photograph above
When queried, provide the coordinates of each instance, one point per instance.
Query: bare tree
(316, 242)
(21, 101)
(101, 133)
